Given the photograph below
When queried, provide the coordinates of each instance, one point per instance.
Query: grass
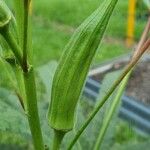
(54, 22)
(48, 42)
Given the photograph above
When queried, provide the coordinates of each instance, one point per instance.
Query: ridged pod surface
(73, 67)
(5, 14)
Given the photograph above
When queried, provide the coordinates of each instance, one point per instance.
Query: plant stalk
(30, 87)
(32, 110)
(58, 137)
(26, 40)
(111, 111)
(129, 67)
(144, 35)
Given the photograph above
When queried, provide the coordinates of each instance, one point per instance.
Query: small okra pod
(73, 67)
(5, 14)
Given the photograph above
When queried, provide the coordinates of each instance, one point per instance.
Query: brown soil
(139, 84)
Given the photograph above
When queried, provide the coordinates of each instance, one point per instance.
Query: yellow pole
(131, 22)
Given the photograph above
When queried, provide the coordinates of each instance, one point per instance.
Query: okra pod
(73, 67)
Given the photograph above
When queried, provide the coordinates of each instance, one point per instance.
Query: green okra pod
(73, 67)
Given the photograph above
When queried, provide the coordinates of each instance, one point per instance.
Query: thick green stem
(30, 87)
(111, 111)
(58, 137)
(32, 110)
(110, 91)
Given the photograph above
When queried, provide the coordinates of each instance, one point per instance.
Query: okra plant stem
(58, 137)
(30, 86)
(21, 50)
(25, 39)
(32, 110)
(132, 63)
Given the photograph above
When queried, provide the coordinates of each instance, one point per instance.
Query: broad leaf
(12, 117)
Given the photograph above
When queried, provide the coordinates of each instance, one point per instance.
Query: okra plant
(70, 75)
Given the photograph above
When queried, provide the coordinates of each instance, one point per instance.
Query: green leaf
(12, 117)
(14, 120)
